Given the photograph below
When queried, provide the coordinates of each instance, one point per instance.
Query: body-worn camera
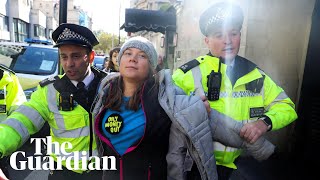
(66, 101)
(214, 84)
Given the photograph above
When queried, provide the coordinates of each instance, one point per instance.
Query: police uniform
(11, 92)
(65, 107)
(244, 94)
(11, 97)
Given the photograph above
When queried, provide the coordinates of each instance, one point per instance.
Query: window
(36, 30)
(4, 23)
(39, 31)
(35, 60)
(149, 6)
(20, 30)
(50, 33)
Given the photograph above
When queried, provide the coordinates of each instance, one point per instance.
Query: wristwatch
(266, 120)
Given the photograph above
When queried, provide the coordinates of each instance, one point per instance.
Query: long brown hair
(114, 95)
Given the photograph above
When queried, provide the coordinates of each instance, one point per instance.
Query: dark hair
(116, 49)
(111, 65)
(115, 92)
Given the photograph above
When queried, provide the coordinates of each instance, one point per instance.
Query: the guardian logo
(57, 156)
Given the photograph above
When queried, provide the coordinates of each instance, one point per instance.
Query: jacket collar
(242, 66)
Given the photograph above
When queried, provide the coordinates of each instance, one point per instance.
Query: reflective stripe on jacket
(236, 100)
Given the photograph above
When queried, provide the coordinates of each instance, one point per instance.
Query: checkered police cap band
(67, 34)
(220, 14)
(218, 17)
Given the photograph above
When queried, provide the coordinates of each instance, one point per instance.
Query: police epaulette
(3, 67)
(48, 81)
(189, 65)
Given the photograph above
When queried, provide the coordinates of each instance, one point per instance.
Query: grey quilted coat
(192, 132)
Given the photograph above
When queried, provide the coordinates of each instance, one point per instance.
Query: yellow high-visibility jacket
(65, 126)
(252, 95)
(11, 93)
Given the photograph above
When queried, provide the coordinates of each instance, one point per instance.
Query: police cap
(75, 34)
(219, 15)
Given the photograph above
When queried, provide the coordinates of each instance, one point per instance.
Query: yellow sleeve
(280, 109)
(15, 95)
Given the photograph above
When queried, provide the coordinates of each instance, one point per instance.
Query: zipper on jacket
(149, 171)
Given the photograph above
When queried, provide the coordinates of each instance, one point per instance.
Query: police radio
(214, 84)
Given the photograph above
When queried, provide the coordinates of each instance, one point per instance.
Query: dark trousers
(224, 173)
(4, 165)
(66, 174)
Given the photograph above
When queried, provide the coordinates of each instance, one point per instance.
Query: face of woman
(134, 65)
(114, 58)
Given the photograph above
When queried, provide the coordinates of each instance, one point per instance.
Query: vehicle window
(98, 60)
(35, 60)
(6, 51)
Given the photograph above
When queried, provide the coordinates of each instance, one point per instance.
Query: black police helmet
(68, 33)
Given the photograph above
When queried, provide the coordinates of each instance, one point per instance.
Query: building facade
(4, 21)
(35, 19)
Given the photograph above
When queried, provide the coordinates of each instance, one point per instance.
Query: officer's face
(75, 61)
(134, 65)
(224, 42)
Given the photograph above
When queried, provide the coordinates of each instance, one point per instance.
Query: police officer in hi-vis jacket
(64, 102)
(11, 97)
(233, 85)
